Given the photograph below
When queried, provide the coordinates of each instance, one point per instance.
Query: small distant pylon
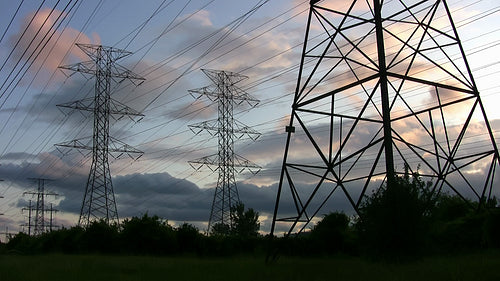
(40, 193)
(99, 199)
(1, 214)
(227, 129)
(7, 234)
(51, 210)
(29, 209)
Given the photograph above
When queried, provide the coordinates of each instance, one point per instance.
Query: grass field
(484, 266)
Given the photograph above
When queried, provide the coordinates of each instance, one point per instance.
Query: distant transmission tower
(51, 211)
(227, 129)
(382, 85)
(99, 200)
(1, 214)
(40, 193)
(30, 209)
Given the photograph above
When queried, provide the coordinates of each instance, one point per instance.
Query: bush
(189, 238)
(392, 221)
(332, 234)
(147, 235)
(491, 229)
(100, 237)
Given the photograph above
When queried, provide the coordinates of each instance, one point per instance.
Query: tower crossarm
(118, 146)
(115, 107)
(213, 162)
(212, 126)
(213, 93)
(115, 146)
(99, 53)
(244, 164)
(88, 67)
(76, 143)
(113, 53)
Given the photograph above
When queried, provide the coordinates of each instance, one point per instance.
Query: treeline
(404, 220)
(454, 226)
(146, 235)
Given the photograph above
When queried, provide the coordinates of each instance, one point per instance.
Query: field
(484, 266)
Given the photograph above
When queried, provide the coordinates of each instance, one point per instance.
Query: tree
(220, 229)
(150, 235)
(99, 236)
(188, 237)
(392, 221)
(331, 233)
(245, 223)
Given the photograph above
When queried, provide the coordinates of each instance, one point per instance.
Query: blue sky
(169, 48)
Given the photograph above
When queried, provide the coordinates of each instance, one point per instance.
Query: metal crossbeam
(382, 85)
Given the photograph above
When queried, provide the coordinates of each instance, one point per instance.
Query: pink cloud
(58, 44)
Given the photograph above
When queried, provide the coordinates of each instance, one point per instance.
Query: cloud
(163, 195)
(180, 200)
(40, 30)
(202, 17)
(199, 109)
(16, 156)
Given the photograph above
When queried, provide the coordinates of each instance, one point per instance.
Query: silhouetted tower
(40, 193)
(99, 199)
(1, 214)
(30, 209)
(7, 234)
(51, 211)
(382, 85)
(227, 129)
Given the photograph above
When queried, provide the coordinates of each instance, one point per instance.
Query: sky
(170, 43)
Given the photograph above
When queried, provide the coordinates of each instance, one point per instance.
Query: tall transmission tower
(382, 85)
(99, 199)
(40, 193)
(227, 130)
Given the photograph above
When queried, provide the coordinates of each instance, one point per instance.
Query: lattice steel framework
(382, 85)
(99, 199)
(227, 129)
(39, 225)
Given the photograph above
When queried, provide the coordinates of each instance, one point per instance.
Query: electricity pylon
(382, 85)
(1, 214)
(99, 199)
(227, 130)
(39, 226)
(30, 209)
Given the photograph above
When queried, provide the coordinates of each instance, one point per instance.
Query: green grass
(484, 266)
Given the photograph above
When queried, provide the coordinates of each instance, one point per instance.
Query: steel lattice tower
(39, 226)
(227, 129)
(99, 199)
(382, 85)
